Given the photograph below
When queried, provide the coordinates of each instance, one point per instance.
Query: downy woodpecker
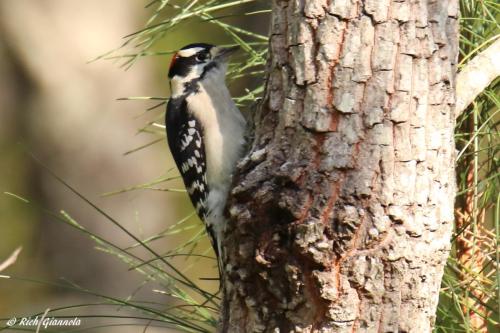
(205, 131)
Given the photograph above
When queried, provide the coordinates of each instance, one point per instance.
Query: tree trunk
(341, 216)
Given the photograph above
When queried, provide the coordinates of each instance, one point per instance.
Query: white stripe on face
(177, 82)
(189, 52)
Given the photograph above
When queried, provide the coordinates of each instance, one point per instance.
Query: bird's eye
(202, 56)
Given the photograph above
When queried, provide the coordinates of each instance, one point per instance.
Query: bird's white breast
(223, 129)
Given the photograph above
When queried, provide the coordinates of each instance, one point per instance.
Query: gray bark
(341, 214)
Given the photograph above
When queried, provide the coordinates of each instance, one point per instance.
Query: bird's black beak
(224, 53)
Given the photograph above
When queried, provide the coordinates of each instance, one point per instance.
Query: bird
(205, 131)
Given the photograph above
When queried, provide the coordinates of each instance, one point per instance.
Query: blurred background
(63, 110)
(98, 126)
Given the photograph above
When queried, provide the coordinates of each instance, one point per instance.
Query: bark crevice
(341, 216)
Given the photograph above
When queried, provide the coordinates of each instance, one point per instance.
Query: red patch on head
(174, 59)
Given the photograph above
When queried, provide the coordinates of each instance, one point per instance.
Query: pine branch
(477, 75)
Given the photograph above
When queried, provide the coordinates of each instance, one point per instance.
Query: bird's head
(195, 62)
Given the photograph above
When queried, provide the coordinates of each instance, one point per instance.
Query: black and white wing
(184, 134)
(185, 140)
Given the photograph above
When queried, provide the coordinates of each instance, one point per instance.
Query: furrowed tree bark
(341, 214)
